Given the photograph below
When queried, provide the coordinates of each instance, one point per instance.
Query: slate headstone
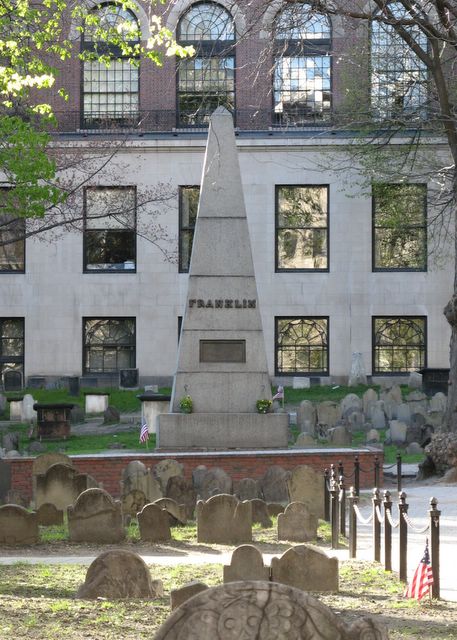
(306, 567)
(246, 564)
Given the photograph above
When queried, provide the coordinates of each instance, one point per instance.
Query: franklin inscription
(220, 303)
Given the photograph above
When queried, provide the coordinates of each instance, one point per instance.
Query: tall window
(109, 344)
(12, 352)
(302, 228)
(399, 344)
(12, 244)
(207, 80)
(302, 346)
(110, 229)
(188, 206)
(302, 72)
(399, 227)
(398, 76)
(110, 93)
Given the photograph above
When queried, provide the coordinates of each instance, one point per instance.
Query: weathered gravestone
(215, 481)
(60, 485)
(438, 402)
(176, 512)
(328, 414)
(306, 417)
(274, 508)
(95, 517)
(119, 574)
(306, 567)
(11, 441)
(48, 515)
(133, 502)
(111, 415)
(179, 596)
(246, 564)
(305, 485)
(305, 441)
(262, 610)
(349, 404)
(369, 398)
(339, 436)
(136, 476)
(246, 489)
(274, 484)
(28, 412)
(297, 524)
(182, 491)
(17, 525)
(260, 513)
(198, 475)
(154, 524)
(166, 469)
(223, 519)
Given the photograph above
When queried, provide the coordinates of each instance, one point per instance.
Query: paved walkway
(418, 498)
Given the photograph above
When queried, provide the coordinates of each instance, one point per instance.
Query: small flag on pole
(422, 578)
(279, 394)
(144, 433)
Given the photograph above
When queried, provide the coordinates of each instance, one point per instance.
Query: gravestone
(368, 400)
(305, 441)
(154, 524)
(260, 513)
(60, 485)
(42, 463)
(133, 502)
(438, 402)
(166, 469)
(128, 379)
(306, 417)
(350, 403)
(28, 412)
(182, 491)
(198, 475)
(12, 381)
(215, 481)
(2, 404)
(222, 361)
(305, 485)
(246, 564)
(223, 519)
(328, 413)
(136, 476)
(176, 512)
(118, 574)
(274, 484)
(95, 517)
(10, 441)
(111, 415)
(404, 413)
(274, 509)
(49, 516)
(339, 436)
(17, 525)
(246, 489)
(398, 431)
(306, 567)
(378, 416)
(373, 436)
(179, 596)
(252, 610)
(297, 524)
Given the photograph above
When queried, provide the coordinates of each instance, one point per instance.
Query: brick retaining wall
(107, 469)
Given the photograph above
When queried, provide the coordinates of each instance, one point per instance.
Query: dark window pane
(11, 347)
(399, 344)
(113, 250)
(12, 239)
(302, 345)
(109, 344)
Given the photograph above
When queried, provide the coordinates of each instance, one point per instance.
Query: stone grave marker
(215, 481)
(154, 523)
(182, 491)
(351, 402)
(95, 517)
(306, 567)
(369, 398)
(305, 441)
(340, 436)
(274, 484)
(246, 564)
(252, 610)
(246, 489)
(28, 412)
(166, 469)
(179, 596)
(306, 485)
(48, 515)
(328, 413)
(133, 502)
(260, 513)
(119, 574)
(438, 402)
(176, 512)
(136, 476)
(60, 485)
(274, 508)
(223, 519)
(297, 524)
(306, 417)
(17, 525)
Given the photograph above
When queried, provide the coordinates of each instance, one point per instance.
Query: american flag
(422, 578)
(144, 433)
(280, 394)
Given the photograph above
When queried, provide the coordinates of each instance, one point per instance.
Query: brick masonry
(107, 470)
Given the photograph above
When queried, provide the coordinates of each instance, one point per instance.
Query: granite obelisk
(222, 362)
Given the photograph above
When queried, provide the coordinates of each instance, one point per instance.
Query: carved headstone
(133, 502)
(368, 400)
(48, 515)
(304, 441)
(262, 610)
(179, 596)
(28, 412)
(260, 513)
(176, 512)
(351, 402)
(328, 413)
(246, 489)
(17, 525)
(60, 485)
(223, 519)
(215, 481)
(118, 574)
(305, 485)
(438, 402)
(306, 417)
(137, 476)
(340, 436)
(274, 484)
(42, 463)
(306, 567)
(154, 524)
(166, 469)
(297, 524)
(182, 491)
(246, 564)
(274, 508)
(95, 517)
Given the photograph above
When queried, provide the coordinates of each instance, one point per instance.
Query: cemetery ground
(38, 600)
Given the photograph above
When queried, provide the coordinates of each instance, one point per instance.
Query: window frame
(424, 346)
(22, 239)
(302, 48)
(20, 360)
(424, 227)
(279, 269)
(182, 228)
(307, 374)
(87, 371)
(205, 49)
(133, 230)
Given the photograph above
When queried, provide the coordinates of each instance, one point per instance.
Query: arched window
(110, 92)
(302, 346)
(302, 70)
(398, 76)
(207, 80)
(399, 344)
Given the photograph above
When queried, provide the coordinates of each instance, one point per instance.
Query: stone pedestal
(222, 431)
(15, 408)
(53, 420)
(152, 406)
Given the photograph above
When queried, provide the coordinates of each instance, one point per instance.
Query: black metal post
(387, 532)
(403, 535)
(357, 475)
(334, 519)
(435, 546)
(399, 479)
(353, 500)
(326, 496)
(342, 497)
(376, 502)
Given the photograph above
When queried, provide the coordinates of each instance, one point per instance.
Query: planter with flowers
(186, 404)
(263, 405)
